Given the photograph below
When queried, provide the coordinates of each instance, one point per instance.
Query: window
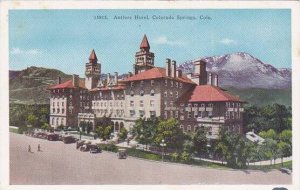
(152, 114)
(202, 105)
(189, 114)
(227, 115)
(176, 84)
(171, 103)
(195, 105)
(131, 84)
(166, 114)
(131, 103)
(210, 105)
(142, 92)
(132, 113)
(181, 117)
(63, 111)
(56, 121)
(152, 82)
(180, 85)
(53, 104)
(142, 113)
(142, 83)
(57, 103)
(176, 94)
(166, 103)
(171, 83)
(166, 94)
(189, 105)
(141, 103)
(166, 82)
(52, 121)
(176, 114)
(171, 113)
(171, 94)
(189, 128)
(151, 103)
(131, 93)
(58, 110)
(152, 92)
(62, 121)
(210, 131)
(195, 114)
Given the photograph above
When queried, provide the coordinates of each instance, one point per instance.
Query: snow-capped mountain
(242, 70)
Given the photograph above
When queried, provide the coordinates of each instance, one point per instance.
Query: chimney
(216, 80)
(210, 79)
(173, 69)
(179, 73)
(116, 78)
(168, 67)
(58, 80)
(75, 80)
(108, 79)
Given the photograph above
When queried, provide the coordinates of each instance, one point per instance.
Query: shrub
(185, 157)
(175, 156)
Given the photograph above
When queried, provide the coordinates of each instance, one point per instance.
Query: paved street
(60, 163)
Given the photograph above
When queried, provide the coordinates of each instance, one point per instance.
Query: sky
(63, 39)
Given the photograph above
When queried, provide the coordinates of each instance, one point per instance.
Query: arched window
(152, 92)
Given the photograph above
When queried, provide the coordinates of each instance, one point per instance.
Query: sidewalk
(267, 162)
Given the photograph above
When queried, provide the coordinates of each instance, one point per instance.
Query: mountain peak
(243, 70)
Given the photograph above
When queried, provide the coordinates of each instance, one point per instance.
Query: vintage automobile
(79, 143)
(285, 170)
(68, 139)
(95, 149)
(122, 153)
(52, 137)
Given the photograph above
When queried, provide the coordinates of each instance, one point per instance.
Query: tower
(92, 71)
(144, 59)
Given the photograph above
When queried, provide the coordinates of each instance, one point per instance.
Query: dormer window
(131, 84)
(152, 82)
(131, 93)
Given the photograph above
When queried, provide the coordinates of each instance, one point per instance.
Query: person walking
(39, 148)
(29, 148)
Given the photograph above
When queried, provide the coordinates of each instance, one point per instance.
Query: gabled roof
(208, 93)
(93, 56)
(145, 43)
(67, 84)
(156, 73)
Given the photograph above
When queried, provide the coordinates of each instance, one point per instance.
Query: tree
(200, 141)
(46, 126)
(104, 131)
(83, 125)
(32, 120)
(171, 133)
(286, 136)
(144, 130)
(89, 127)
(284, 150)
(270, 134)
(123, 133)
(269, 148)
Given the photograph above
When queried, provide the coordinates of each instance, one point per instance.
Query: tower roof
(145, 43)
(93, 58)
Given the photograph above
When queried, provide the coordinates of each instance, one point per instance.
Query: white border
(6, 6)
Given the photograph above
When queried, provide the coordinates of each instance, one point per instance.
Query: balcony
(211, 120)
(230, 109)
(201, 109)
(241, 109)
(209, 109)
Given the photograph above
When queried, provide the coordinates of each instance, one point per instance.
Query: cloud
(165, 41)
(18, 51)
(227, 41)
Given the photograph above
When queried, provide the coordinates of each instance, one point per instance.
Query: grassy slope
(261, 97)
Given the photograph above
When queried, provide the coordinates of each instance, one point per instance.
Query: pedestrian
(39, 148)
(29, 148)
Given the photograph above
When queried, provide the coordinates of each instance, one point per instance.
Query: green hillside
(262, 97)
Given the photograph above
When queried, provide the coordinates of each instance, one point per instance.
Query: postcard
(150, 95)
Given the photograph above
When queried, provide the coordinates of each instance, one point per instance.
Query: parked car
(84, 148)
(122, 153)
(285, 170)
(79, 144)
(95, 149)
(68, 139)
(52, 137)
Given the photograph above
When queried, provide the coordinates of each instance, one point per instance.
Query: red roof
(156, 73)
(108, 88)
(208, 93)
(93, 56)
(145, 43)
(67, 84)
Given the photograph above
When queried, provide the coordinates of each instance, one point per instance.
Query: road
(62, 164)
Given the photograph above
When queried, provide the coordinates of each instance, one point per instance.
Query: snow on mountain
(242, 70)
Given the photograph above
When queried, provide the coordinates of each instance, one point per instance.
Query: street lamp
(163, 144)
